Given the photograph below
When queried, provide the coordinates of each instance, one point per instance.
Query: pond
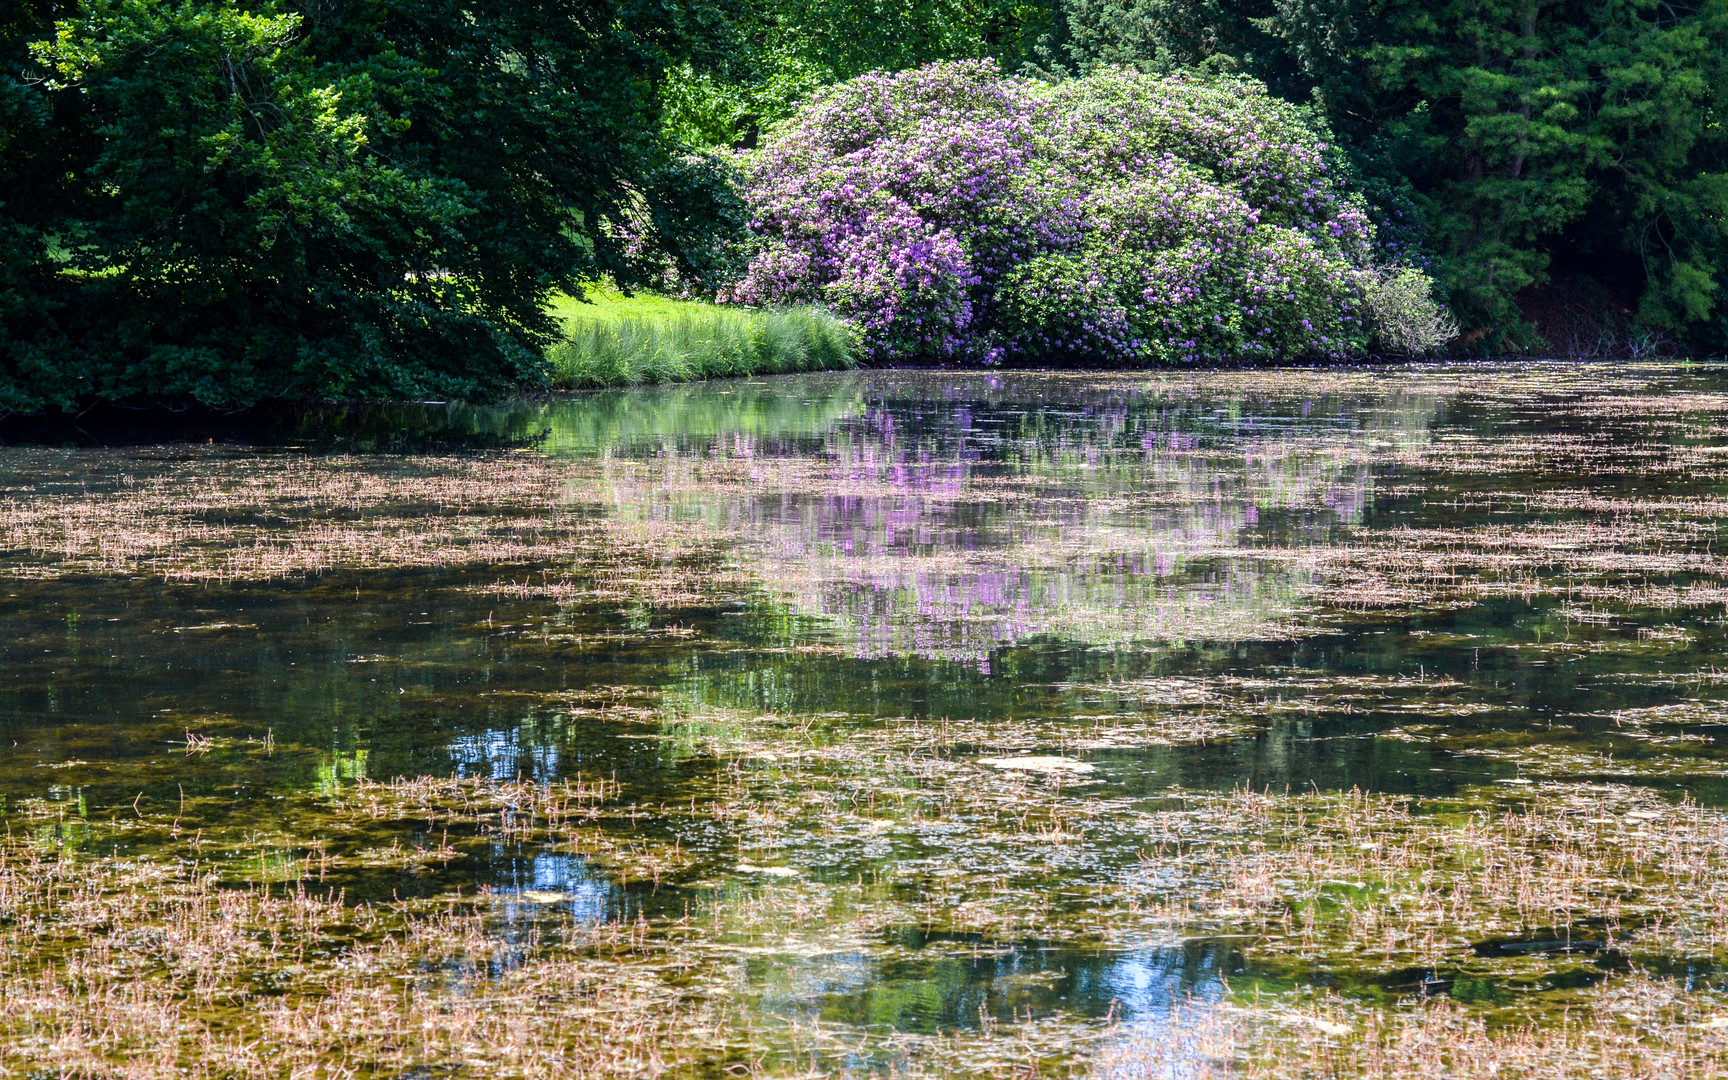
(950, 723)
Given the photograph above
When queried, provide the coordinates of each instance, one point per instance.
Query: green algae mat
(1281, 723)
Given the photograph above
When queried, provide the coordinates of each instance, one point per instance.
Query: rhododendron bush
(952, 211)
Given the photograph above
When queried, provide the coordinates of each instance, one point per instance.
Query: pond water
(964, 705)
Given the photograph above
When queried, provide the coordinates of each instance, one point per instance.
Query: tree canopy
(220, 202)
(1535, 137)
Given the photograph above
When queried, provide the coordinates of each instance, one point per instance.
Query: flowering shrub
(952, 211)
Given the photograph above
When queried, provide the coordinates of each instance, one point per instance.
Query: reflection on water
(950, 516)
(931, 989)
(560, 880)
(792, 619)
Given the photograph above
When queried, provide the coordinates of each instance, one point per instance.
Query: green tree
(33, 159)
(790, 48)
(1154, 36)
(350, 199)
(1530, 133)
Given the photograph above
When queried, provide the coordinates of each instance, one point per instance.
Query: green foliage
(227, 202)
(623, 341)
(1211, 229)
(1400, 313)
(791, 48)
(1155, 36)
(1117, 218)
(1536, 137)
(31, 160)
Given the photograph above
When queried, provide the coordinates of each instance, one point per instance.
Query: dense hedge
(955, 212)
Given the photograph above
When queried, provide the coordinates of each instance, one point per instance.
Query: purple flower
(952, 211)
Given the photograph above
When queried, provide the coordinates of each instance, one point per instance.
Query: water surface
(810, 625)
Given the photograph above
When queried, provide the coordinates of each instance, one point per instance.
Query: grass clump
(617, 340)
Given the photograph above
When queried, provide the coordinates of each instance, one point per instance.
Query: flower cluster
(951, 211)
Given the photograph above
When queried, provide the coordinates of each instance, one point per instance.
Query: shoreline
(408, 426)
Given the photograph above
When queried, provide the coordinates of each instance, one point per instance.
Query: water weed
(1256, 723)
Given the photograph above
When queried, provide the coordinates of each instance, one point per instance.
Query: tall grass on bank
(621, 341)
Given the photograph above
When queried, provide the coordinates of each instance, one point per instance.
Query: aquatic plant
(1217, 519)
(153, 969)
(952, 211)
(191, 955)
(890, 730)
(1635, 1025)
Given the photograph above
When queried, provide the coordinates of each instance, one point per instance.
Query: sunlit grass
(617, 340)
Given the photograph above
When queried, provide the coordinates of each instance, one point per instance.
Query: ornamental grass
(621, 341)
